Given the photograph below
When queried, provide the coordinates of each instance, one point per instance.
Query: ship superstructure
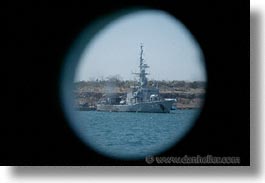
(142, 98)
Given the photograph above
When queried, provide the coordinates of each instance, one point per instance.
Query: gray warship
(140, 98)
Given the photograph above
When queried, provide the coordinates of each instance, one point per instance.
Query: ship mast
(142, 74)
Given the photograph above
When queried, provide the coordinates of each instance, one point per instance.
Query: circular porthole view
(133, 84)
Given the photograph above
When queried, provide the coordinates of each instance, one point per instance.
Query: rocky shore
(188, 95)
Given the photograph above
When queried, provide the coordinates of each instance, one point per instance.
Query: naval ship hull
(152, 107)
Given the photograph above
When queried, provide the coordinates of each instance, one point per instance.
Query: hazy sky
(169, 49)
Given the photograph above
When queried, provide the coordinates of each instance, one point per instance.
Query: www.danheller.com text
(209, 159)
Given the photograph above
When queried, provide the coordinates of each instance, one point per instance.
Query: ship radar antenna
(141, 55)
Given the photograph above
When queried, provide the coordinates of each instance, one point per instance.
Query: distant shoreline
(189, 95)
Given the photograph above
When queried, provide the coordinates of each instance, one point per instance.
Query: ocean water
(125, 135)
